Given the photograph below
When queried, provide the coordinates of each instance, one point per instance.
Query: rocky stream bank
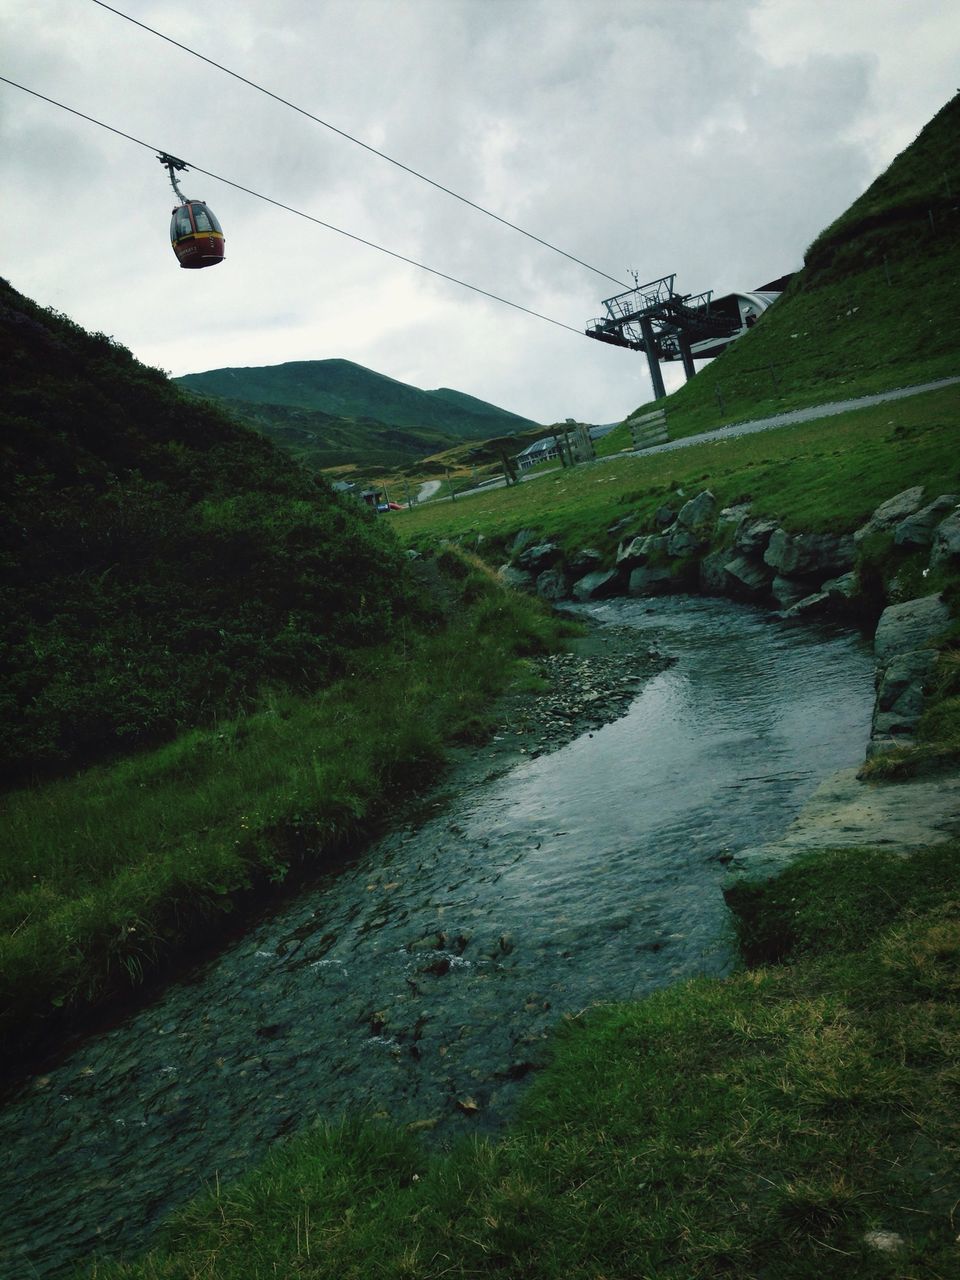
(799, 576)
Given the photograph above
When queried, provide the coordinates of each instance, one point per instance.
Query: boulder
(890, 513)
(747, 577)
(789, 591)
(713, 575)
(800, 554)
(733, 515)
(843, 588)
(753, 536)
(597, 586)
(650, 580)
(946, 541)
(809, 606)
(915, 624)
(903, 681)
(682, 541)
(587, 560)
(552, 585)
(641, 549)
(518, 579)
(664, 516)
(539, 557)
(917, 531)
(699, 511)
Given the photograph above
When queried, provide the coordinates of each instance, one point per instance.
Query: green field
(824, 475)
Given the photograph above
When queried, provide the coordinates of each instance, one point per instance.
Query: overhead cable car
(195, 233)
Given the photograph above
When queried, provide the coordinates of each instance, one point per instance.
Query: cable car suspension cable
(299, 212)
(359, 142)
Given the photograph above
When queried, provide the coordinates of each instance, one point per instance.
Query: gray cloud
(714, 139)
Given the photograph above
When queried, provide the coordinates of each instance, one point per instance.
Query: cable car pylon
(195, 234)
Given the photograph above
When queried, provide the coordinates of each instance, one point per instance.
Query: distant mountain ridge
(343, 412)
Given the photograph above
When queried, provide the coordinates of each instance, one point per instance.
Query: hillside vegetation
(331, 412)
(161, 564)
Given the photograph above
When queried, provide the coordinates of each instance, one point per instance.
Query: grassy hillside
(817, 476)
(160, 564)
(321, 441)
(343, 412)
(876, 305)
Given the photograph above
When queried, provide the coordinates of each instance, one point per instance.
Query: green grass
(106, 874)
(825, 475)
(754, 1127)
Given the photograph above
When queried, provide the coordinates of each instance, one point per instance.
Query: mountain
(330, 412)
(160, 563)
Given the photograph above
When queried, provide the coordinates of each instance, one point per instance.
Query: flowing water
(419, 982)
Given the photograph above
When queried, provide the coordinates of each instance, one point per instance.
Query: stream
(419, 982)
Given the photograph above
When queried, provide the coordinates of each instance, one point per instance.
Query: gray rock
(946, 541)
(891, 512)
(796, 555)
(518, 579)
(903, 683)
(639, 550)
(713, 575)
(539, 557)
(632, 552)
(733, 515)
(753, 536)
(699, 511)
(915, 624)
(650, 580)
(880, 744)
(587, 560)
(894, 723)
(917, 531)
(748, 577)
(845, 587)
(552, 585)
(597, 586)
(809, 606)
(525, 538)
(682, 541)
(788, 591)
(664, 516)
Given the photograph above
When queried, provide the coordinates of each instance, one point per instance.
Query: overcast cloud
(713, 138)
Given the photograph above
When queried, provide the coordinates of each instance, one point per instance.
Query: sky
(710, 138)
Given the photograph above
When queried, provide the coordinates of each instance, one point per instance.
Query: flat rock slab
(844, 812)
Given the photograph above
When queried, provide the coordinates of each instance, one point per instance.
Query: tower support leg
(650, 346)
(686, 355)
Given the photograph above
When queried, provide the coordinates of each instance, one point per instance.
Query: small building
(542, 450)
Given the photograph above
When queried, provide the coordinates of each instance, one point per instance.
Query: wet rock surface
(576, 857)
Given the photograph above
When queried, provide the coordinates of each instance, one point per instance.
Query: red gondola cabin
(196, 235)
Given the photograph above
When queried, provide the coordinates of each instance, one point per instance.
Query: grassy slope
(875, 307)
(159, 563)
(823, 475)
(319, 440)
(761, 1126)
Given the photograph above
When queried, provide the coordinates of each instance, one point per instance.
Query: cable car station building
(667, 325)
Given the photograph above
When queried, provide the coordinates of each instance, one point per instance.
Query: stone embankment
(731, 552)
